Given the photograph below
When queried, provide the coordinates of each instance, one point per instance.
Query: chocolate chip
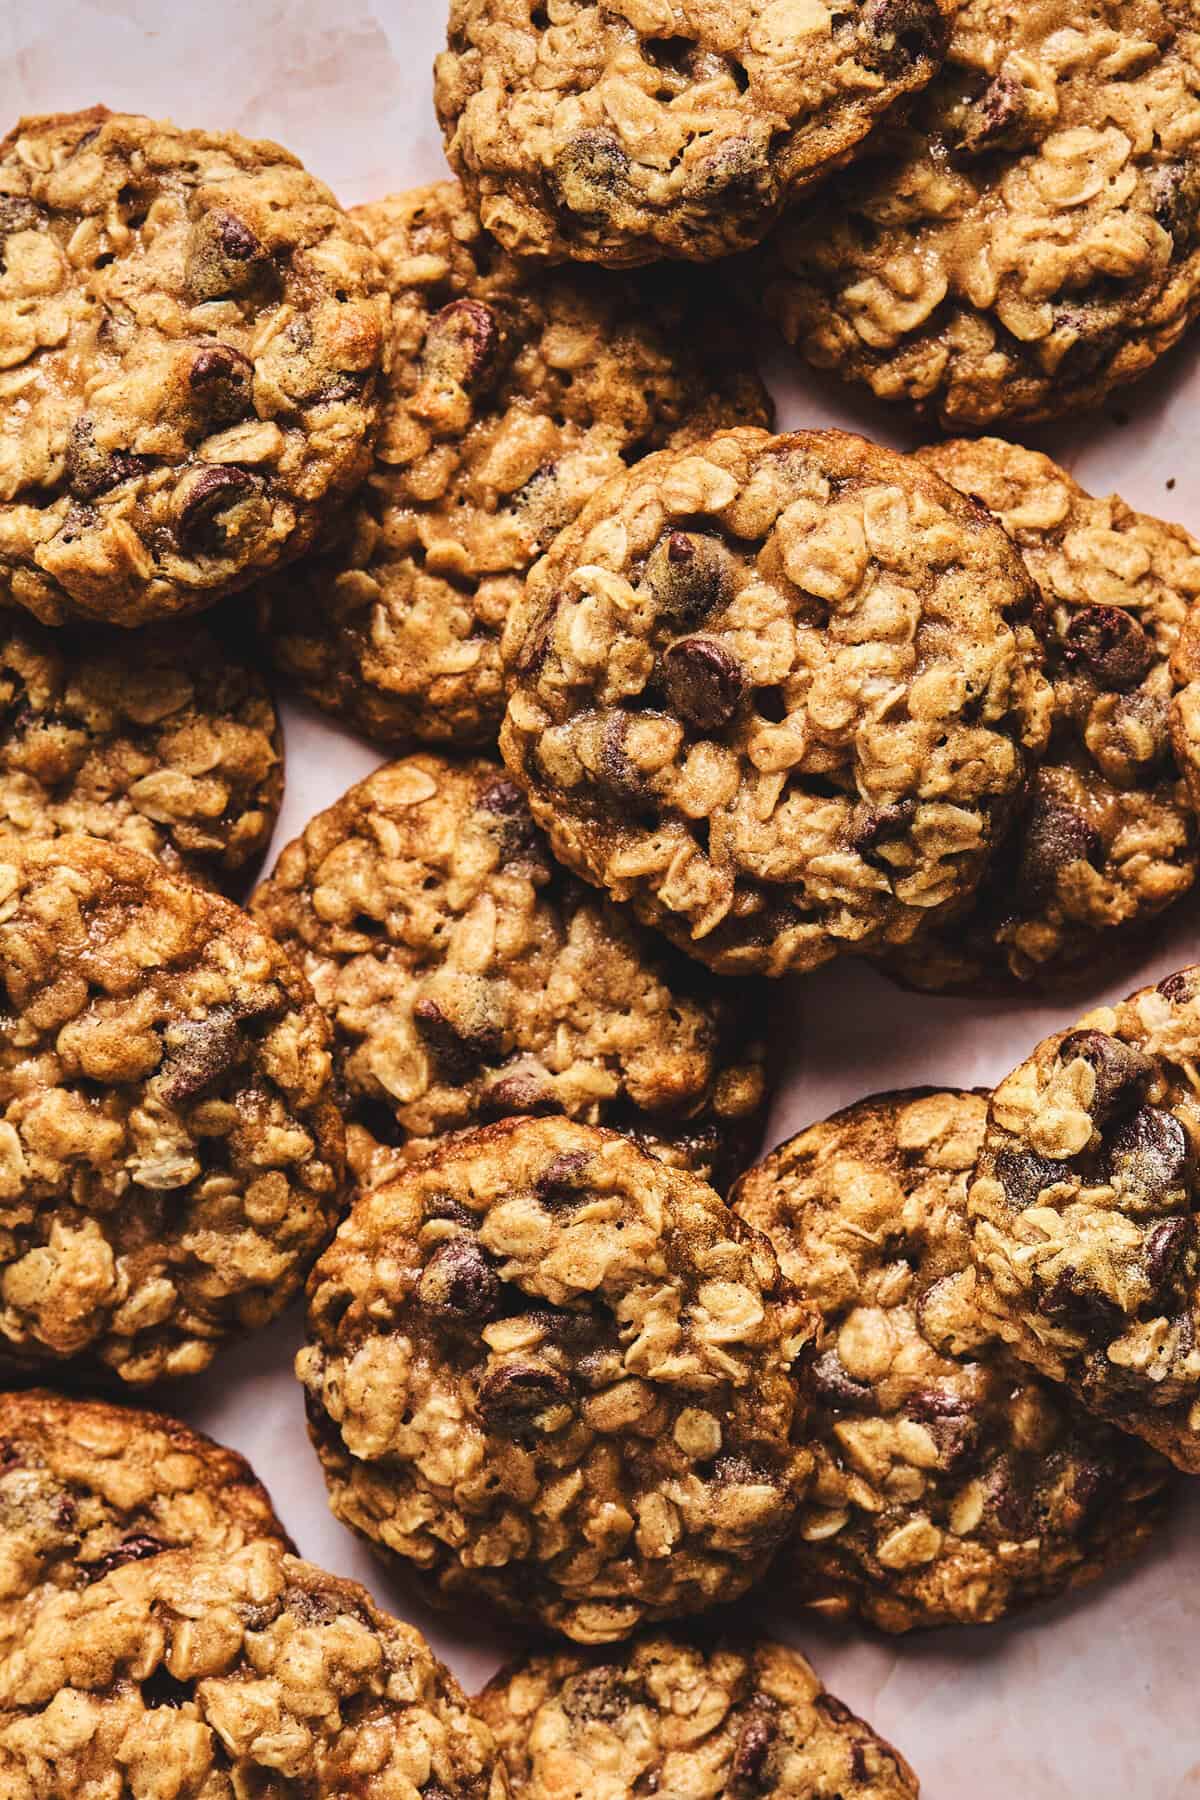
(597, 1693)
(459, 1282)
(1122, 1073)
(1140, 727)
(224, 257)
(756, 1740)
(91, 471)
(1111, 646)
(835, 1709)
(689, 576)
(1164, 1247)
(223, 380)
(460, 344)
(205, 497)
(563, 1179)
(19, 213)
(617, 772)
(948, 1418)
(1077, 1302)
(161, 1688)
(512, 824)
(591, 173)
(1008, 1499)
(198, 1053)
(871, 826)
(1175, 197)
(1092, 343)
(236, 238)
(522, 1092)
(1055, 836)
(1024, 1176)
(859, 1767)
(735, 168)
(1150, 1158)
(512, 1394)
(704, 682)
(896, 35)
(997, 119)
(531, 656)
(135, 1548)
(456, 1053)
(835, 1387)
(1179, 987)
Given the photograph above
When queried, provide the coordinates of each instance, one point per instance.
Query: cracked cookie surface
(1084, 1208)
(86, 1487)
(551, 1373)
(628, 130)
(690, 1720)
(513, 394)
(170, 1156)
(1107, 838)
(952, 1486)
(1028, 238)
(253, 1673)
(467, 977)
(779, 692)
(162, 741)
(191, 332)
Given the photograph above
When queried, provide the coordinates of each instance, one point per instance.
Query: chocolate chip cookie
(678, 1716)
(1027, 237)
(952, 1485)
(548, 1372)
(201, 1674)
(513, 395)
(1107, 838)
(86, 1487)
(779, 692)
(467, 977)
(1085, 1229)
(192, 333)
(162, 740)
(171, 1159)
(627, 130)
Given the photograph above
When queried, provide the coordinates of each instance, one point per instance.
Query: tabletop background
(1095, 1696)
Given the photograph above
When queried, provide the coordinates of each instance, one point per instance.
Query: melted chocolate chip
(18, 213)
(512, 1394)
(224, 256)
(1110, 645)
(1078, 1303)
(896, 35)
(591, 173)
(460, 1283)
(1164, 1246)
(461, 344)
(704, 682)
(518, 1093)
(563, 1179)
(997, 119)
(135, 1548)
(456, 1053)
(91, 471)
(1122, 1073)
(1175, 195)
(1150, 1158)
(870, 826)
(1024, 1176)
(835, 1387)
(756, 1739)
(1055, 837)
(223, 379)
(1178, 988)
(689, 576)
(214, 490)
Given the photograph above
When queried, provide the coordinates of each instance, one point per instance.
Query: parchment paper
(1096, 1696)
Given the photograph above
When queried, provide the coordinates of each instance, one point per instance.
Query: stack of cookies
(674, 704)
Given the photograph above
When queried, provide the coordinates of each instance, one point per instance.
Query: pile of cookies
(670, 699)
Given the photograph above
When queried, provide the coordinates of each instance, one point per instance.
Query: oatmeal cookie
(1027, 238)
(686, 1719)
(549, 1372)
(86, 1487)
(160, 740)
(1107, 838)
(952, 1485)
(1086, 1236)
(222, 1676)
(170, 1155)
(627, 130)
(191, 333)
(467, 977)
(513, 395)
(780, 693)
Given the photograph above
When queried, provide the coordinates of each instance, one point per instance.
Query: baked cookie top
(952, 1485)
(551, 1373)
(170, 1156)
(514, 393)
(1108, 837)
(191, 332)
(634, 129)
(678, 1716)
(165, 742)
(1085, 1230)
(780, 693)
(467, 977)
(86, 1487)
(1027, 238)
(225, 1675)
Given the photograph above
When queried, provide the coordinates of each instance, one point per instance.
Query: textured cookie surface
(513, 395)
(1108, 837)
(687, 1720)
(548, 1371)
(86, 1487)
(191, 332)
(1028, 239)
(1084, 1210)
(161, 741)
(632, 129)
(952, 1485)
(170, 1156)
(778, 692)
(468, 978)
(197, 1674)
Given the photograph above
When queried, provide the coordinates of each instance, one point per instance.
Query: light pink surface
(1094, 1697)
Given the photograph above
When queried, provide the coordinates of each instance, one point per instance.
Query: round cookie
(952, 1486)
(678, 1716)
(86, 1487)
(548, 1372)
(171, 1159)
(1026, 239)
(161, 741)
(192, 334)
(1107, 838)
(254, 1673)
(1084, 1207)
(626, 130)
(779, 692)
(467, 977)
(513, 395)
